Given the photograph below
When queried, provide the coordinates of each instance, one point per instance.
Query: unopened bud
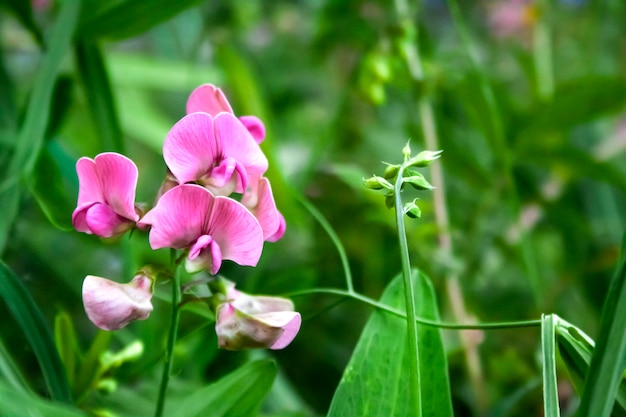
(391, 172)
(406, 152)
(412, 210)
(417, 180)
(377, 183)
(424, 158)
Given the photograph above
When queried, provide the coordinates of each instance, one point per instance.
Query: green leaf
(14, 403)
(125, 19)
(576, 348)
(10, 372)
(548, 350)
(31, 135)
(237, 394)
(381, 387)
(606, 369)
(89, 369)
(97, 88)
(66, 342)
(24, 12)
(32, 323)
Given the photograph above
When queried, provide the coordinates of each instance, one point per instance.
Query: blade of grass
(550, 392)
(31, 321)
(606, 369)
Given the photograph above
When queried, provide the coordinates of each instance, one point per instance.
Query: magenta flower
(111, 305)
(209, 99)
(259, 199)
(247, 321)
(211, 228)
(217, 152)
(106, 195)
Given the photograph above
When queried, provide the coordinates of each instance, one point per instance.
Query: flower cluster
(210, 155)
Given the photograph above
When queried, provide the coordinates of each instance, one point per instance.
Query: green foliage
(382, 387)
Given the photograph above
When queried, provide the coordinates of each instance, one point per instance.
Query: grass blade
(32, 323)
(606, 369)
(548, 350)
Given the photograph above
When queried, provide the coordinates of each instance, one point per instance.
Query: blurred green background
(528, 100)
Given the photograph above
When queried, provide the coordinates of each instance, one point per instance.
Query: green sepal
(412, 210)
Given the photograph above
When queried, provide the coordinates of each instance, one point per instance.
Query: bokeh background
(529, 104)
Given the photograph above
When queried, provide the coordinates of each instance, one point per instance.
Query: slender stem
(409, 293)
(542, 52)
(171, 341)
(420, 320)
(333, 236)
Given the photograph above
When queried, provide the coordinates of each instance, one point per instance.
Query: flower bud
(391, 172)
(247, 321)
(417, 180)
(412, 210)
(111, 305)
(377, 183)
(406, 152)
(424, 158)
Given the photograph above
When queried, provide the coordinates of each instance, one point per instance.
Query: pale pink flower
(246, 321)
(106, 195)
(111, 305)
(215, 151)
(210, 99)
(259, 199)
(211, 228)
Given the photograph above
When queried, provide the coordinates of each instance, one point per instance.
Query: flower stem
(409, 292)
(171, 341)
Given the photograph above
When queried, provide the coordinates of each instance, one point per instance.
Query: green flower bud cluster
(405, 173)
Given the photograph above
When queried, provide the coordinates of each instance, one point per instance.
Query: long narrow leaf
(548, 350)
(238, 394)
(99, 95)
(606, 369)
(381, 387)
(30, 137)
(17, 403)
(32, 323)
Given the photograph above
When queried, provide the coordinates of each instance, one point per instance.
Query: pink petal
(280, 232)
(290, 330)
(79, 217)
(205, 254)
(190, 150)
(230, 175)
(104, 222)
(118, 179)
(179, 217)
(260, 201)
(208, 99)
(235, 141)
(237, 232)
(255, 126)
(111, 306)
(89, 186)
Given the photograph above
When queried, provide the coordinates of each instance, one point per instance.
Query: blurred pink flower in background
(511, 18)
(212, 228)
(106, 195)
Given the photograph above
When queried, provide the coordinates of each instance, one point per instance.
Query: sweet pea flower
(211, 228)
(216, 151)
(210, 99)
(111, 305)
(106, 195)
(246, 321)
(259, 199)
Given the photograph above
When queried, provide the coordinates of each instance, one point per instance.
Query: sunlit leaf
(17, 403)
(548, 350)
(381, 387)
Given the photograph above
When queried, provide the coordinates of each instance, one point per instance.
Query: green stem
(420, 320)
(409, 293)
(171, 341)
(333, 236)
(542, 52)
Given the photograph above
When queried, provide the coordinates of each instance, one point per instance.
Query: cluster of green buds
(397, 175)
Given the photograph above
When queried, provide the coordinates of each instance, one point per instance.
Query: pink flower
(216, 151)
(247, 321)
(106, 195)
(259, 199)
(212, 228)
(208, 98)
(111, 306)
